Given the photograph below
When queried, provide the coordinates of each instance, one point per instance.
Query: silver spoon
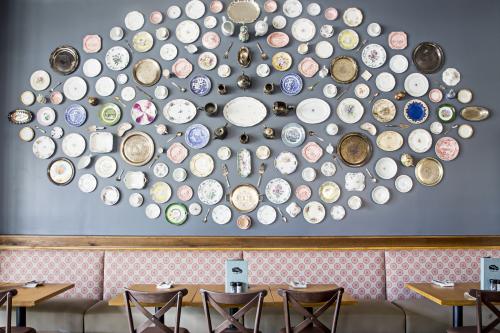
(344, 91)
(119, 177)
(373, 97)
(144, 92)
(450, 128)
(263, 55)
(226, 54)
(312, 133)
(311, 87)
(283, 217)
(403, 126)
(181, 89)
(370, 175)
(205, 220)
(225, 173)
(54, 87)
(159, 151)
(119, 100)
(178, 134)
(40, 129)
(361, 45)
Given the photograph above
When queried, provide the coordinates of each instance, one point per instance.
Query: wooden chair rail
(247, 243)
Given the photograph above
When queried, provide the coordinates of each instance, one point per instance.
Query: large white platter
(313, 111)
(245, 111)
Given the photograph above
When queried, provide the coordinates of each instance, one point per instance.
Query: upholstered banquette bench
(375, 277)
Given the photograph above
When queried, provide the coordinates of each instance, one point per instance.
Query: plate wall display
(278, 191)
(390, 141)
(46, 116)
(110, 114)
(147, 72)
(278, 39)
(291, 84)
(416, 111)
(110, 195)
(344, 69)
(337, 212)
(160, 192)
(200, 85)
(201, 165)
(75, 88)
(176, 213)
(87, 183)
(286, 163)
(353, 17)
(117, 58)
(428, 57)
(197, 136)
(245, 111)
(313, 111)
(403, 183)
(137, 148)
(303, 30)
(179, 111)
(244, 198)
(243, 12)
(282, 61)
(187, 32)
(292, 8)
(177, 152)
(244, 163)
(381, 195)
(266, 214)
(293, 135)
(384, 110)
(348, 39)
(420, 140)
(474, 113)
(40, 80)
(447, 148)
(61, 171)
(314, 212)
(374, 55)
(73, 145)
(143, 112)
(416, 85)
(354, 149)
(355, 181)
(350, 110)
(303, 192)
(105, 166)
(64, 59)
(152, 211)
(329, 192)
(210, 192)
(386, 168)
(221, 214)
(429, 171)
(312, 152)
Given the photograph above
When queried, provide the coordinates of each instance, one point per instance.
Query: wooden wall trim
(246, 243)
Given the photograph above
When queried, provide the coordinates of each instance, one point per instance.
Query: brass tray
(137, 148)
(147, 72)
(245, 198)
(428, 57)
(64, 59)
(354, 149)
(429, 171)
(344, 69)
(243, 11)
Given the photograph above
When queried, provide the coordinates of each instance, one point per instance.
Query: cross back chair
(170, 299)
(301, 302)
(6, 298)
(244, 301)
(486, 298)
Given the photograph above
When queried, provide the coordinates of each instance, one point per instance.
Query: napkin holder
(490, 273)
(236, 272)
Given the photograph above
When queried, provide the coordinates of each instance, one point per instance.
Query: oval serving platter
(245, 111)
(390, 141)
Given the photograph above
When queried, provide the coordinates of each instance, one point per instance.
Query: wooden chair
(486, 298)
(6, 297)
(141, 299)
(244, 301)
(302, 303)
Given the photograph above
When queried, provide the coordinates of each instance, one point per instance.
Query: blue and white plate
(291, 84)
(416, 111)
(197, 136)
(75, 115)
(200, 85)
(293, 135)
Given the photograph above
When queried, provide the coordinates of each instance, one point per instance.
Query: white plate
(286, 163)
(263, 70)
(210, 192)
(313, 111)
(101, 142)
(221, 214)
(128, 94)
(465, 131)
(324, 49)
(385, 82)
(314, 212)
(354, 202)
(436, 128)
(266, 215)
(160, 170)
(386, 168)
(105, 166)
(374, 55)
(187, 32)
(201, 165)
(26, 134)
(46, 116)
(350, 110)
(210, 22)
(263, 152)
(44, 147)
(362, 90)
(168, 52)
(451, 77)
(374, 29)
(207, 61)
(337, 212)
(464, 96)
(403, 183)
(105, 86)
(122, 78)
(245, 111)
(179, 175)
(355, 181)
(353, 17)
(174, 12)
(329, 192)
(117, 58)
(398, 63)
(390, 140)
(224, 71)
(75, 88)
(73, 145)
(179, 111)
(161, 92)
(278, 191)
(135, 200)
(224, 153)
(303, 30)
(87, 183)
(84, 162)
(134, 20)
(194, 9)
(195, 209)
(40, 80)
(116, 33)
(27, 98)
(309, 174)
(313, 9)
(416, 85)
(279, 22)
(292, 8)
(110, 195)
(380, 195)
(92, 67)
(330, 90)
(160, 192)
(153, 211)
(420, 140)
(328, 169)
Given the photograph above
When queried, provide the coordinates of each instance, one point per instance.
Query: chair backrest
(244, 301)
(6, 296)
(140, 299)
(487, 298)
(302, 301)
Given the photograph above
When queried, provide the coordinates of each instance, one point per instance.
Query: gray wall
(466, 202)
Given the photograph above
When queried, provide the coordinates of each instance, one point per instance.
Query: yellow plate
(348, 39)
(282, 61)
(143, 41)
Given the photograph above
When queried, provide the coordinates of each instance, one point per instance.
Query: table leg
(232, 312)
(162, 318)
(458, 316)
(21, 316)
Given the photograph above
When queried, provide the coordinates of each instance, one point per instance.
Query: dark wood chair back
(244, 301)
(486, 298)
(302, 301)
(170, 299)
(6, 298)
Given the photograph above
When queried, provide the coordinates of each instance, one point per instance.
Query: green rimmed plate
(176, 213)
(110, 114)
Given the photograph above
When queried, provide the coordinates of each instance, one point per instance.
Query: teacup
(227, 27)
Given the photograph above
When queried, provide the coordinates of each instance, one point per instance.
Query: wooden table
(447, 296)
(346, 298)
(30, 297)
(119, 300)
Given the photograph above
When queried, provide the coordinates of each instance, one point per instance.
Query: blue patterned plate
(200, 85)
(291, 84)
(75, 115)
(416, 111)
(197, 136)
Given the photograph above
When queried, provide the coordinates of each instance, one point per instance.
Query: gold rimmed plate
(344, 69)
(147, 72)
(137, 148)
(354, 149)
(429, 171)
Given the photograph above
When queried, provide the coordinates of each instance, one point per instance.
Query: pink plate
(143, 112)
(270, 6)
(92, 43)
(447, 148)
(312, 152)
(436, 95)
(278, 39)
(303, 192)
(177, 153)
(331, 14)
(56, 97)
(184, 193)
(182, 68)
(308, 67)
(398, 40)
(216, 6)
(156, 17)
(210, 40)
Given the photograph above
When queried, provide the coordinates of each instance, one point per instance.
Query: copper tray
(428, 57)
(64, 59)
(354, 149)
(137, 148)
(147, 72)
(344, 69)
(429, 171)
